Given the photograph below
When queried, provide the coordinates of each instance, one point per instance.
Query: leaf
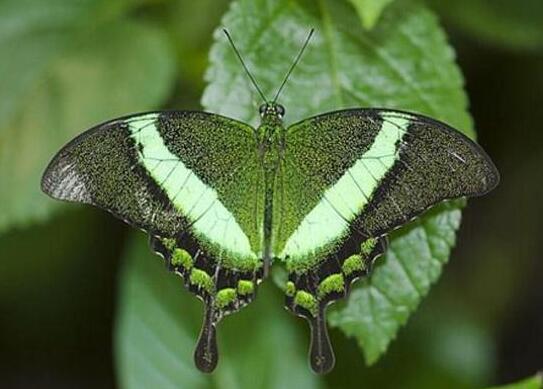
(30, 37)
(535, 382)
(33, 33)
(511, 24)
(379, 305)
(369, 11)
(404, 62)
(70, 80)
(158, 323)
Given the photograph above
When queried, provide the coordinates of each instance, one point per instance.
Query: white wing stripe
(188, 193)
(348, 196)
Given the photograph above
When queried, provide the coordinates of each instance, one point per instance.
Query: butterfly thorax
(271, 120)
(270, 136)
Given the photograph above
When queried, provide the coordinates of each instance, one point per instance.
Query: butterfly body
(271, 136)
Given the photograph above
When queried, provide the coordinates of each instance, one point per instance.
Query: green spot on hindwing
(245, 287)
(306, 300)
(352, 264)
(367, 246)
(225, 297)
(201, 279)
(182, 258)
(188, 193)
(169, 243)
(290, 289)
(332, 283)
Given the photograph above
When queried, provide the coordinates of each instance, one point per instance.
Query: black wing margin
(436, 163)
(100, 167)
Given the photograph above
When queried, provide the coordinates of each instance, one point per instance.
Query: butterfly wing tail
(310, 291)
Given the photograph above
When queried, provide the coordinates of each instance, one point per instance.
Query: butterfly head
(271, 111)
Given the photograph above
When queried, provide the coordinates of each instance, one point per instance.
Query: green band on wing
(194, 199)
(344, 200)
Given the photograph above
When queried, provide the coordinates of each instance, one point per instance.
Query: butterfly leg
(223, 290)
(309, 292)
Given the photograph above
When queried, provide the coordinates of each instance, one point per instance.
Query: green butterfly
(221, 200)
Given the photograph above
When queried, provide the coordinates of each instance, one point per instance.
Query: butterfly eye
(262, 109)
(280, 110)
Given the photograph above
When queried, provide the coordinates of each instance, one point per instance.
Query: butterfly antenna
(243, 64)
(294, 64)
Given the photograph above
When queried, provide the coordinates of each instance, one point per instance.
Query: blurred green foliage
(535, 382)
(67, 65)
(516, 25)
(55, 51)
(369, 11)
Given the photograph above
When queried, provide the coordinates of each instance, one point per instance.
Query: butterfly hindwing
(349, 178)
(223, 289)
(309, 292)
(189, 179)
(216, 196)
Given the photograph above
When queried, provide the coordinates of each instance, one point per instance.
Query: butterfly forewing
(370, 171)
(164, 171)
(191, 180)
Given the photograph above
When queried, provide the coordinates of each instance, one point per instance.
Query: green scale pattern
(221, 201)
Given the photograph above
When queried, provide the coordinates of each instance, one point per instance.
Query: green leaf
(33, 33)
(535, 382)
(158, 323)
(369, 11)
(69, 80)
(511, 24)
(30, 38)
(404, 62)
(413, 262)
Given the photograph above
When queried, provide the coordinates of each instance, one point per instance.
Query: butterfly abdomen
(270, 134)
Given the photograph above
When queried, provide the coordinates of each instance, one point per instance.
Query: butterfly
(221, 200)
